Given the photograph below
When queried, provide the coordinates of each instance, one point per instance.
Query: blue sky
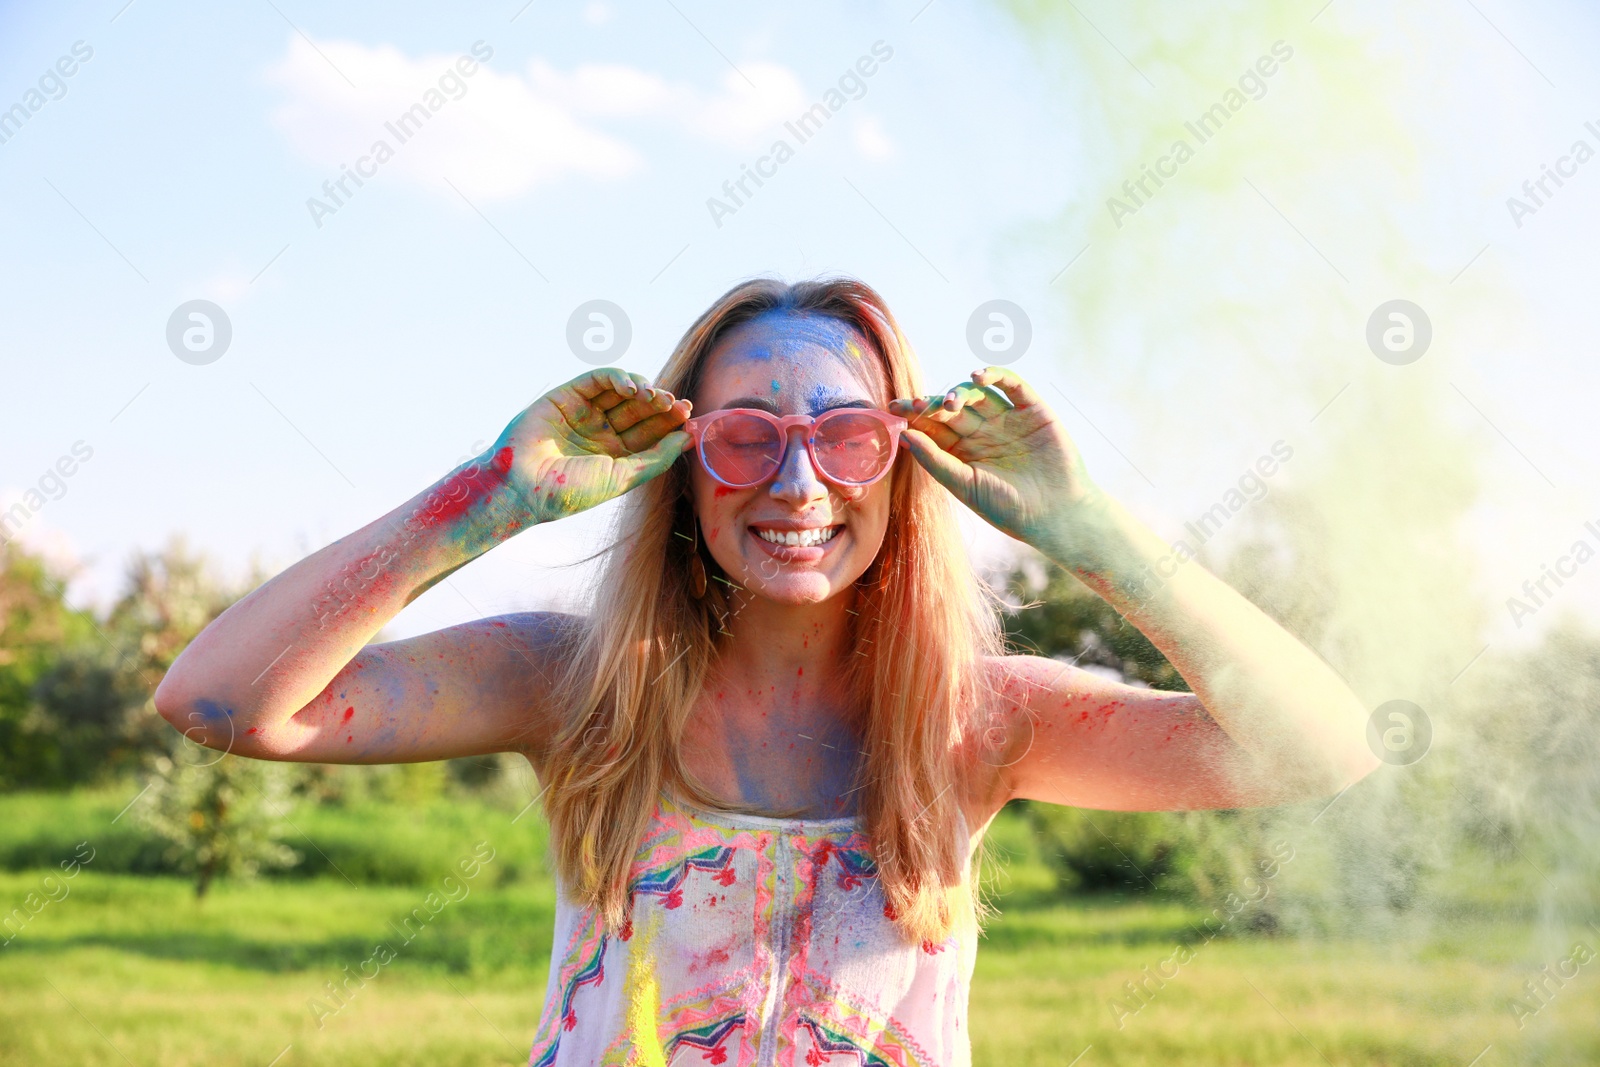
(374, 351)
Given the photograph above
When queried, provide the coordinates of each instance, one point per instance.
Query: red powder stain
(799, 672)
(714, 531)
(715, 958)
(251, 730)
(465, 489)
(724, 490)
(1082, 715)
(348, 740)
(501, 625)
(347, 713)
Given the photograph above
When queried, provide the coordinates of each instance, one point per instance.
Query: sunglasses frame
(696, 428)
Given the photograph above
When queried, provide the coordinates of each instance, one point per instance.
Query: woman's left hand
(995, 445)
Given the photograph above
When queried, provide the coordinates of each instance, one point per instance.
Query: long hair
(923, 628)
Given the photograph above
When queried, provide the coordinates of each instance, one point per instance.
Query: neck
(797, 648)
(777, 719)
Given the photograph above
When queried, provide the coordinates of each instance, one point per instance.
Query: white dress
(753, 941)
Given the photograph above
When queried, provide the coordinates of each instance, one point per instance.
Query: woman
(769, 752)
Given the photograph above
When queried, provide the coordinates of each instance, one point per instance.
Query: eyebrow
(767, 405)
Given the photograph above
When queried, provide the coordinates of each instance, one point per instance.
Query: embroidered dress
(753, 941)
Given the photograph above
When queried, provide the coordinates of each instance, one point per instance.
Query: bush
(223, 817)
(1196, 857)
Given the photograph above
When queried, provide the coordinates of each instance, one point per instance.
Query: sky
(383, 332)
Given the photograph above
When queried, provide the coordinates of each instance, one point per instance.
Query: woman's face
(791, 363)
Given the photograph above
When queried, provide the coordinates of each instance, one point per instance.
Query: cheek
(715, 505)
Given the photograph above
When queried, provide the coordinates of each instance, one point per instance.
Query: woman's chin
(794, 586)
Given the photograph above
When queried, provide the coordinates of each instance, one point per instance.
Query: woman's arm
(1267, 721)
(286, 673)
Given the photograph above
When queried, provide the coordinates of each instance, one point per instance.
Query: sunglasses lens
(852, 447)
(742, 449)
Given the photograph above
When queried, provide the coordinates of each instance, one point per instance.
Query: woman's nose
(797, 482)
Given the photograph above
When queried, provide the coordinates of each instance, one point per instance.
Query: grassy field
(130, 969)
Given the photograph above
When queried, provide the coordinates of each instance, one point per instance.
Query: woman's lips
(794, 553)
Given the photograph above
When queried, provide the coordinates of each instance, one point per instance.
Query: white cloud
(870, 140)
(499, 133)
(739, 116)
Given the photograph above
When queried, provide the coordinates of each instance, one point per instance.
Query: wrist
(1101, 543)
(475, 506)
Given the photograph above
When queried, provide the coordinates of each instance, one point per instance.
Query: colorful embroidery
(759, 941)
(584, 965)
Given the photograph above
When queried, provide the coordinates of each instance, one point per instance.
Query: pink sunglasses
(741, 447)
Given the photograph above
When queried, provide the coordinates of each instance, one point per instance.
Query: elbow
(170, 702)
(199, 719)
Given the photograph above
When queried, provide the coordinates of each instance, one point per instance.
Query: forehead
(799, 361)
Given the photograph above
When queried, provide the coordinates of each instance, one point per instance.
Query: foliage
(1054, 614)
(1197, 857)
(373, 843)
(48, 665)
(222, 816)
(74, 688)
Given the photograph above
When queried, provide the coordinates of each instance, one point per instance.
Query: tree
(222, 816)
(39, 636)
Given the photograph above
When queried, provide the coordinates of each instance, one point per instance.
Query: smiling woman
(771, 746)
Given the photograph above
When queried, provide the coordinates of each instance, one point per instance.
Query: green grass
(130, 969)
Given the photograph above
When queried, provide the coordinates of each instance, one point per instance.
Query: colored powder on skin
(822, 397)
(724, 490)
(211, 711)
(466, 489)
(775, 386)
(347, 713)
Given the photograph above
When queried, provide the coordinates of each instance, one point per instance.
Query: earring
(697, 567)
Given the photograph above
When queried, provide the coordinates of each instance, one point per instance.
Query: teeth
(798, 538)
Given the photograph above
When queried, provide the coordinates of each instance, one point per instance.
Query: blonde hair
(923, 630)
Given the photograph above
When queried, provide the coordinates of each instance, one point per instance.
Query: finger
(1011, 384)
(959, 409)
(939, 433)
(642, 466)
(614, 393)
(989, 401)
(946, 469)
(912, 408)
(590, 386)
(600, 396)
(580, 412)
(637, 409)
(644, 434)
(945, 419)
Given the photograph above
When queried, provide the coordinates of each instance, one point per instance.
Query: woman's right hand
(590, 440)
